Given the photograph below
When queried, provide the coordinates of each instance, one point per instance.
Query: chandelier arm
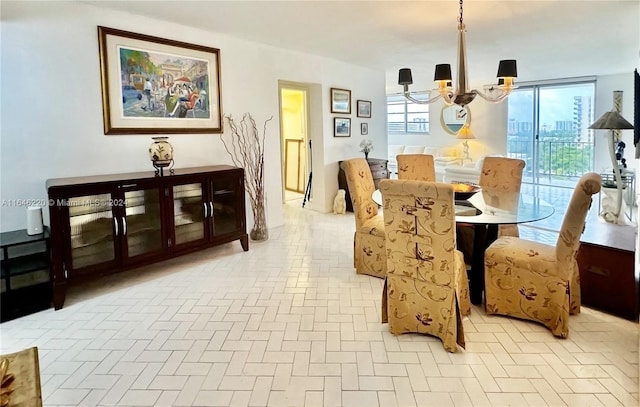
(408, 96)
(493, 99)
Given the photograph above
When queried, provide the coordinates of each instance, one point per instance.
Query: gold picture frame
(153, 85)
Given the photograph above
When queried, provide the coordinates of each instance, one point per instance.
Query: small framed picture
(364, 108)
(341, 127)
(364, 128)
(340, 101)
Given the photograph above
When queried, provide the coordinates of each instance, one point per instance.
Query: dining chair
(502, 174)
(368, 241)
(539, 282)
(419, 167)
(426, 288)
(498, 175)
(20, 375)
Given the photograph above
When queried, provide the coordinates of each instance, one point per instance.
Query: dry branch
(246, 149)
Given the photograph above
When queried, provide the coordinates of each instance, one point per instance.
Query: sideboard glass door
(225, 203)
(190, 210)
(92, 230)
(141, 225)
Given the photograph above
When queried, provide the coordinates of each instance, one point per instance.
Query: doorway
(294, 140)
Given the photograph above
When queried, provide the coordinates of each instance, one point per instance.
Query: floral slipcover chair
(368, 242)
(426, 289)
(538, 282)
(498, 175)
(502, 174)
(419, 167)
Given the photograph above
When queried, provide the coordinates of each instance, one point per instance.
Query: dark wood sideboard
(109, 223)
(608, 279)
(378, 169)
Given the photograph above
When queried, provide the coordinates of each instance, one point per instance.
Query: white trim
(560, 81)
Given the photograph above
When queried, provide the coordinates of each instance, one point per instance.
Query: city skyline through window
(548, 128)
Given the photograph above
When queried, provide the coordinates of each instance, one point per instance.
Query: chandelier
(461, 95)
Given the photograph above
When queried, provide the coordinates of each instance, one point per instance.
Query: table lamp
(465, 135)
(613, 121)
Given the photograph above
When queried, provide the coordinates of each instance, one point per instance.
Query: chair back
(574, 219)
(361, 186)
(418, 167)
(419, 224)
(502, 174)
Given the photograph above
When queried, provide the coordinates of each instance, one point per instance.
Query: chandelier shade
(404, 77)
(507, 71)
(442, 73)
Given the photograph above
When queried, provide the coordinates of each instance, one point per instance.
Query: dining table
(486, 210)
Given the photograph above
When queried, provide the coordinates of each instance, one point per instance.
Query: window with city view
(404, 116)
(548, 129)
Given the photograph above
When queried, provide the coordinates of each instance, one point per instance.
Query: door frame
(305, 149)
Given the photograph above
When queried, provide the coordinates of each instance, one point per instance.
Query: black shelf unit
(25, 273)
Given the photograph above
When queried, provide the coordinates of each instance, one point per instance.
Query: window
(404, 116)
(548, 127)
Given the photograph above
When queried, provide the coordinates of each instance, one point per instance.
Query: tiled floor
(289, 323)
(291, 195)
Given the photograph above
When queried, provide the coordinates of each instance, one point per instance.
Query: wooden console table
(608, 279)
(109, 223)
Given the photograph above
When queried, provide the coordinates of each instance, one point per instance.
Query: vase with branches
(246, 149)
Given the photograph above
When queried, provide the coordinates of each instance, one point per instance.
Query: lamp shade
(442, 72)
(404, 77)
(507, 69)
(611, 121)
(465, 133)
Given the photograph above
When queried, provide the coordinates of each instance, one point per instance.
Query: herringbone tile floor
(289, 323)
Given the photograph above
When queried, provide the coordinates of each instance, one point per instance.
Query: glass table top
(496, 207)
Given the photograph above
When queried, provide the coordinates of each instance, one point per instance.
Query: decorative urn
(161, 154)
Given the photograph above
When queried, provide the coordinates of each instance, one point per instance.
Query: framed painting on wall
(364, 108)
(341, 127)
(340, 101)
(364, 129)
(154, 85)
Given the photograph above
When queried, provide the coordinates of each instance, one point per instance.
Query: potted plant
(366, 146)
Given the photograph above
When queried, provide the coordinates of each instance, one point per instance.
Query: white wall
(52, 110)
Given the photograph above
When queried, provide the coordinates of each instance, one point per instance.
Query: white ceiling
(550, 39)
